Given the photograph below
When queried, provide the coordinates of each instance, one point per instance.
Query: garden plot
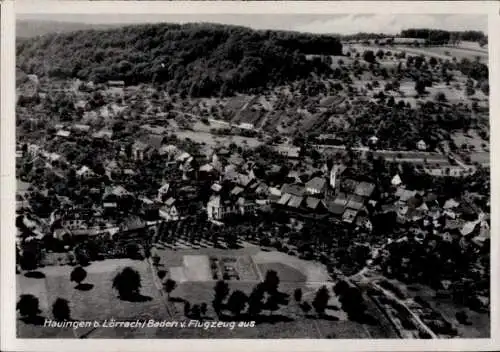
(197, 268)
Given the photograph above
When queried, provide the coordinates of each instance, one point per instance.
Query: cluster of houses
(426, 212)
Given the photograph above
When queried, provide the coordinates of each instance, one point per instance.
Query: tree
(28, 306)
(420, 87)
(256, 300)
(187, 308)
(237, 302)
(221, 290)
(161, 274)
(155, 259)
(127, 283)
(169, 286)
(77, 275)
(196, 311)
(441, 97)
(320, 301)
(369, 56)
(203, 308)
(61, 310)
(272, 303)
(271, 281)
(297, 295)
(306, 307)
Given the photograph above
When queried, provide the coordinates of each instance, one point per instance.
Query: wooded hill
(195, 59)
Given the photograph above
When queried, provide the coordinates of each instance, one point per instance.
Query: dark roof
(295, 201)
(414, 202)
(154, 141)
(140, 145)
(341, 199)
(296, 190)
(316, 183)
(355, 202)
(312, 202)
(431, 197)
(237, 190)
(364, 189)
(334, 208)
(284, 198)
(348, 185)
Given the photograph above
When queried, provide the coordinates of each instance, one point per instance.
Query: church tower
(330, 190)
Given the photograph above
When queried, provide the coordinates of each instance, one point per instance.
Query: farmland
(98, 301)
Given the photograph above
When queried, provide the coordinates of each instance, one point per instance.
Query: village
(133, 172)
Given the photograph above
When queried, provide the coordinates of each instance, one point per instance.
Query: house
(140, 151)
(364, 189)
(396, 180)
(168, 150)
(421, 145)
(218, 209)
(288, 151)
(274, 194)
(103, 134)
(112, 168)
(216, 187)
(81, 128)
(451, 204)
(314, 204)
(85, 172)
(116, 84)
(349, 216)
(33, 149)
(404, 195)
(163, 191)
(245, 206)
(246, 126)
(169, 210)
(63, 133)
(149, 208)
(373, 140)
(21, 195)
(112, 197)
(316, 185)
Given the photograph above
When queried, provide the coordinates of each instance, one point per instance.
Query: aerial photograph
(207, 176)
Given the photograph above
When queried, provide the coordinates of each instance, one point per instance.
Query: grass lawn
(472, 138)
(100, 302)
(285, 272)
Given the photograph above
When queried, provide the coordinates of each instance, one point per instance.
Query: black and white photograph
(242, 176)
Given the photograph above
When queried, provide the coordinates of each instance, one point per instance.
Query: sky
(330, 24)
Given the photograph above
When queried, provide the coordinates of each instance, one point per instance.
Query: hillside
(195, 59)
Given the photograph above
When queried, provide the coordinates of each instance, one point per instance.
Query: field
(470, 139)
(447, 52)
(439, 52)
(99, 301)
(213, 140)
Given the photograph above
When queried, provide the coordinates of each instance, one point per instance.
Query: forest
(197, 59)
(436, 36)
